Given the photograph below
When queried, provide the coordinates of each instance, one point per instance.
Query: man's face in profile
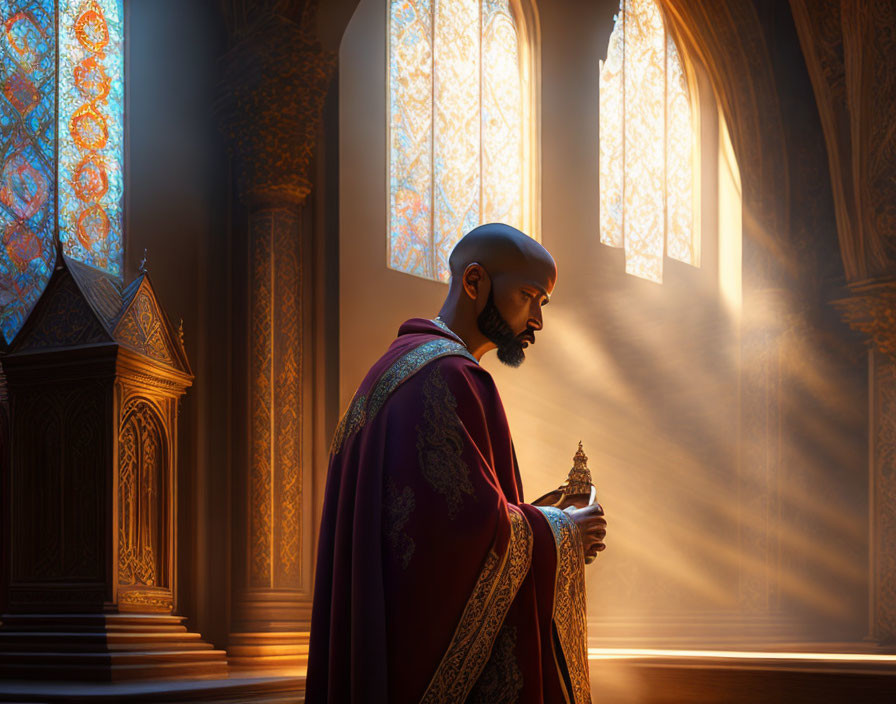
(512, 313)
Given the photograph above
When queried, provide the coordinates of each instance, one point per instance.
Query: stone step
(114, 666)
(98, 642)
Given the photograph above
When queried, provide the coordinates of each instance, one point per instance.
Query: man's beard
(495, 328)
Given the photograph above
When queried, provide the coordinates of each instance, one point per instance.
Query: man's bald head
(501, 249)
(500, 279)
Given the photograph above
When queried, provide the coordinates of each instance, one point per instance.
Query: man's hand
(592, 527)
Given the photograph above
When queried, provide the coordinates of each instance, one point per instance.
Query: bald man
(435, 581)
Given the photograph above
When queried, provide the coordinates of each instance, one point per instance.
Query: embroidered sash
(569, 603)
(483, 617)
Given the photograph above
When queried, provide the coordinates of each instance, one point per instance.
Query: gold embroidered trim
(363, 409)
(569, 602)
(440, 444)
(483, 616)
(352, 421)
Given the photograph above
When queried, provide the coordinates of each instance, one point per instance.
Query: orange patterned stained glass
(91, 134)
(456, 127)
(646, 145)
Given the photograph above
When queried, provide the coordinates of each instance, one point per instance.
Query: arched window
(648, 165)
(61, 143)
(461, 127)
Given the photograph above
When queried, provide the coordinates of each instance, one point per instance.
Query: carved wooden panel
(142, 497)
(142, 328)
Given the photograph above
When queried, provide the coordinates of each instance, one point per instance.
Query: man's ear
(476, 282)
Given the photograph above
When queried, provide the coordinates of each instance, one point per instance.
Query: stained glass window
(61, 143)
(458, 127)
(647, 164)
(91, 139)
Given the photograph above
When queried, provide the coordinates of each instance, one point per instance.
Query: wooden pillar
(275, 82)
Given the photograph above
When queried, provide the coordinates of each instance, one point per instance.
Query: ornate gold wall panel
(288, 397)
(275, 487)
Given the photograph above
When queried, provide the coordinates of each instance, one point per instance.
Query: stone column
(871, 309)
(275, 80)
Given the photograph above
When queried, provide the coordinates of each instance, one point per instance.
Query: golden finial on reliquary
(578, 490)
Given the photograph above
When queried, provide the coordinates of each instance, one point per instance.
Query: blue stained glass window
(58, 173)
(27, 142)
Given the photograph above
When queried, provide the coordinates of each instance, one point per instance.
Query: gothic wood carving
(142, 327)
(142, 487)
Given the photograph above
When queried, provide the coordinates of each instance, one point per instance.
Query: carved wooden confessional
(94, 380)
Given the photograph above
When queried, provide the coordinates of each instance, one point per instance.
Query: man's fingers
(596, 525)
(594, 549)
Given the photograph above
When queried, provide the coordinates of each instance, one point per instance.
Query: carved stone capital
(871, 310)
(275, 81)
